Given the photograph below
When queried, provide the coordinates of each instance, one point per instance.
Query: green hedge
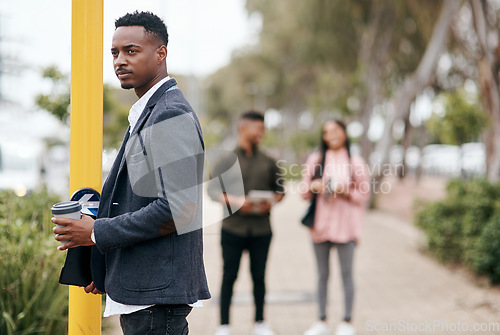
(464, 228)
(31, 299)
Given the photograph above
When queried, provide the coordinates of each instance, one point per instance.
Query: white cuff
(92, 236)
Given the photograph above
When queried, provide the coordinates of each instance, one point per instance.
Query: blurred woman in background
(342, 187)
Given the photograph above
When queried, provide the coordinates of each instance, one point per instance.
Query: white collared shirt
(137, 108)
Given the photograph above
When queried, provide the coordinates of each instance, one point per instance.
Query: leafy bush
(487, 255)
(443, 230)
(31, 299)
(460, 229)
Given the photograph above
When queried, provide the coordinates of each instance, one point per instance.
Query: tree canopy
(358, 60)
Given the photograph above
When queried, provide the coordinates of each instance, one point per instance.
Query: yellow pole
(86, 137)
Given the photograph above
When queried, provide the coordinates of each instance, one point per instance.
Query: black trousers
(232, 249)
(156, 320)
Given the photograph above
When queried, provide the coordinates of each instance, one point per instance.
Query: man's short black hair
(252, 115)
(151, 23)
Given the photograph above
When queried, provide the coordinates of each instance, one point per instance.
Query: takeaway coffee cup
(67, 209)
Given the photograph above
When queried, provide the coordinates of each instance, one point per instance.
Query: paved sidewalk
(399, 289)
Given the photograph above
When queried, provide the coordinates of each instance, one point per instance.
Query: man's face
(253, 131)
(137, 57)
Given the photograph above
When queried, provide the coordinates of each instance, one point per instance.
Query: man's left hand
(264, 207)
(91, 289)
(76, 232)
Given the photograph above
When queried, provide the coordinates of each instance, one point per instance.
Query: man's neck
(143, 90)
(248, 147)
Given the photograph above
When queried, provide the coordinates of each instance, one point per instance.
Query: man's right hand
(91, 289)
(247, 207)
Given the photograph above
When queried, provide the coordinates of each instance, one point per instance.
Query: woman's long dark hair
(324, 146)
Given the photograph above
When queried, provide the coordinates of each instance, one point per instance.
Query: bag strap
(318, 171)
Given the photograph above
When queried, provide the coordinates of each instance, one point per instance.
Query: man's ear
(242, 125)
(162, 53)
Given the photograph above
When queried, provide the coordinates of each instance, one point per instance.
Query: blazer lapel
(147, 112)
(110, 184)
(123, 151)
(122, 154)
(151, 104)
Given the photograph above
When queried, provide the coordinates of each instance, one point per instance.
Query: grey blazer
(148, 230)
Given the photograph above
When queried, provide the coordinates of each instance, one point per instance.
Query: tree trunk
(406, 143)
(422, 140)
(415, 83)
(489, 92)
(375, 42)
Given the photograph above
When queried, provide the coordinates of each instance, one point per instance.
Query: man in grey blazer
(148, 253)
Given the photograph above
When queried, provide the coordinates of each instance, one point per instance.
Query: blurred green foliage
(31, 299)
(116, 105)
(58, 101)
(464, 228)
(488, 250)
(463, 119)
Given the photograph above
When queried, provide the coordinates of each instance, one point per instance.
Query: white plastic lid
(66, 207)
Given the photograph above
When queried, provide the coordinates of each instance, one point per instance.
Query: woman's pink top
(338, 219)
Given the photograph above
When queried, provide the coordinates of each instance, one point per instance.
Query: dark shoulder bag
(308, 218)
